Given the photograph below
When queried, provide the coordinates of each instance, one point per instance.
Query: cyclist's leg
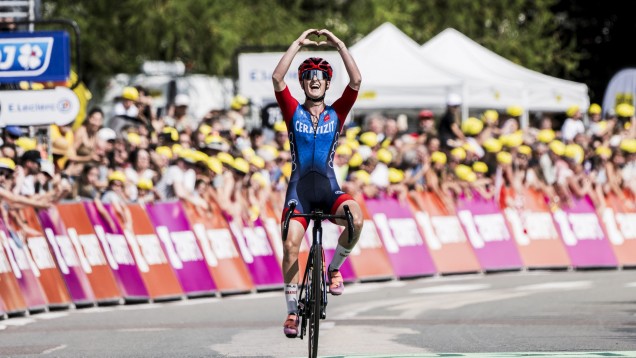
(336, 284)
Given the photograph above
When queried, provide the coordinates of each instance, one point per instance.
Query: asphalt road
(555, 314)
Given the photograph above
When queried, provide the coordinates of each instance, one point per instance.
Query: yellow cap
(546, 135)
(480, 167)
(214, 138)
(241, 165)
(627, 125)
(458, 153)
(384, 155)
(512, 140)
(280, 126)
(238, 101)
(575, 152)
(205, 129)
(472, 126)
(628, 145)
(199, 156)
(225, 158)
(504, 158)
(514, 111)
(215, 165)
(369, 139)
(286, 146)
(603, 151)
(164, 151)
(286, 169)
(362, 176)
(557, 147)
(238, 131)
(490, 116)
(352, 143)
(525, 150)
(594, 109)
(465, 173)
(7, 163)
(248, 153)
(257, 162)
(492, 145)
(133, 138)
(344, 150)
(352, 132)
(259, 179)
(145, 184)
(173, 132)
(355, 160)
(571, 111)
(130, 93)
(395, 175)
(177, 149)
(625, 110)
(438, 157)
(117, 175)
(26, 143)
(469, 148)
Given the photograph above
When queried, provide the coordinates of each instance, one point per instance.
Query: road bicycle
(312, 296)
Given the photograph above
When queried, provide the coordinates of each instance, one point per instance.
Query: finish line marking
(500, 355)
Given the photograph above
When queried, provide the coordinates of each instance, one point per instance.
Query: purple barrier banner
(181, 248)
(407, 251)
(118, 254)
(583, 235)
(330, 234)
(257, 253)
(486, 230)
(23, 268)
(72, 268)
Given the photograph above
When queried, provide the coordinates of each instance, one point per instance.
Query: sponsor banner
(368, 258)
(486, 230)
(619, 220)
(23, 267)
(34, 56)
(330, 234)
(221, 254)
(119, 255)
(73, 270)
(10, 293)
(583, 235)
(405, 247)
(181, 247)
(43, 261)
(537, 237)
(96, 262)
(158, 275)
(257, 252)
(443, 234)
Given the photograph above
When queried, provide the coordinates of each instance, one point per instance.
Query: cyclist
(314, 128)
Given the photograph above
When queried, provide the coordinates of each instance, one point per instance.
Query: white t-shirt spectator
(571, 127)
(133, 177)
(174, 174)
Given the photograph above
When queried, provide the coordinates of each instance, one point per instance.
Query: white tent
(394, 74)
(620, 89)
(491, 81)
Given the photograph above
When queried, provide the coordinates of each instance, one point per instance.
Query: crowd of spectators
(139, 157)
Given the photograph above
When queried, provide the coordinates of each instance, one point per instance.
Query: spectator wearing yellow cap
(512, 122)
(146, 192)
(573, 125)
(179, 180)
(126, 105)
(7, 169)
(140, 169)
(239, 108)
(438, 181)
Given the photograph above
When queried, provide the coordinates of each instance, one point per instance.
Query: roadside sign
(32, 108)
(34, 56)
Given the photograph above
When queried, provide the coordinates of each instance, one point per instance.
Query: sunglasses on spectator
(320, 75)
(6, 173)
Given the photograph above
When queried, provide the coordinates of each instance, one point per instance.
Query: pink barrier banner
(619, 220)
(181, 247)
(24, 268)
(486, 229)
(258, 253)
(406, 249)
(73, 270)
(330, 234)
(583, 235)
(118, 254)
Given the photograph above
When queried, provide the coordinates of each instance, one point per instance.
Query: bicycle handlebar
(317, 216)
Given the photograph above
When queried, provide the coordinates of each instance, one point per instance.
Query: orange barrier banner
(221, 254)
(92, 257)
(23, 267)
(10, 292)
(619, 220)
(535, 232)
(443, 233)
(369, 259)
(43, 262)
(158, 275)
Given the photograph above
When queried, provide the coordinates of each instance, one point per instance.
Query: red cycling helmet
(315, 63)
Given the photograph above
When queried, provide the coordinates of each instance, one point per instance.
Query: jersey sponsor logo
(306, 128)
(338, 192)
(327, 117)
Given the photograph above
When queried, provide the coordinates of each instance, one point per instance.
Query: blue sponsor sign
(34, 56)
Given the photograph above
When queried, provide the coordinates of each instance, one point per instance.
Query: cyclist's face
(315, 83)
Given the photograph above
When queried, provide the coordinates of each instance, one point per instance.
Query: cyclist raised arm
(314, 129)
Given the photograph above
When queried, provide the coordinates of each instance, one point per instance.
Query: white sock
(291, 297)
(338, 258)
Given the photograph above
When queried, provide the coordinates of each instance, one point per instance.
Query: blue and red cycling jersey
(313, 182)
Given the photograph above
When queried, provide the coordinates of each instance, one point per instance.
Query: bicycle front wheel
(316, 300)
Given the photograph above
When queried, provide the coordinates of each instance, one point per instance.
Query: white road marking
(451, 288)
(631, 285)
(149, 329)
(18, 321)
(49, 351)
(372, 286)
(564, 285)
(50, 315)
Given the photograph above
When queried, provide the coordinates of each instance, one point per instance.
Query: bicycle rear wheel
(315, 301)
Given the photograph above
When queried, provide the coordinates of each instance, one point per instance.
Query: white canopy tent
(491, 81)
(394, 74)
